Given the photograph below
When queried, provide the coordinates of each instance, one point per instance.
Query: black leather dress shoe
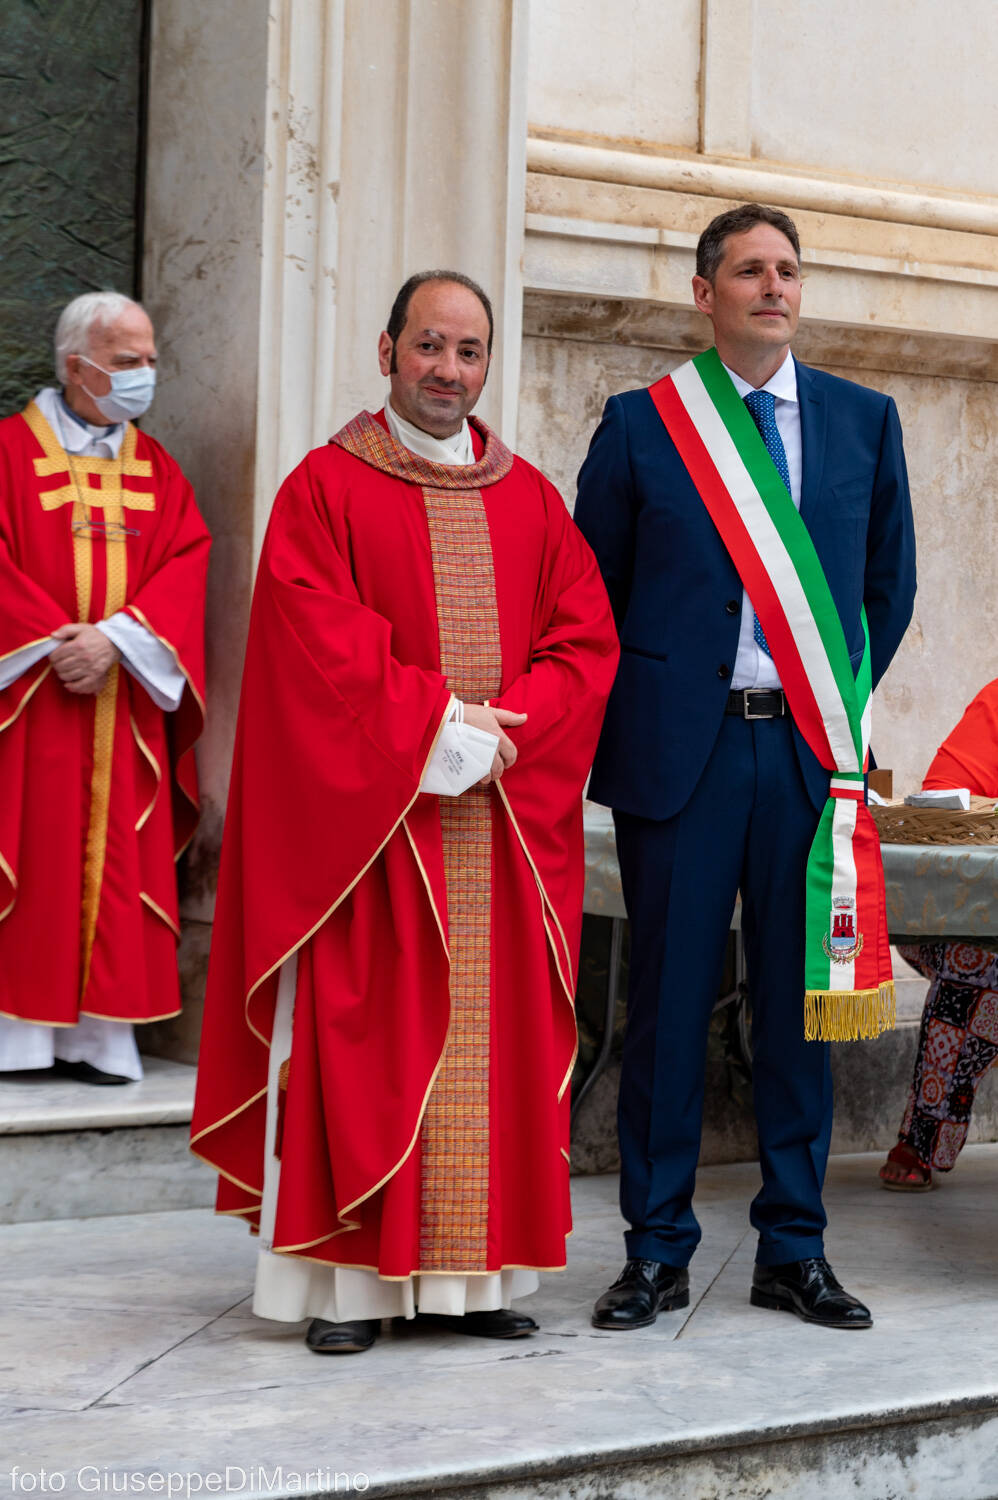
(342, 1338)
(809, 1289)
(85, 1072)
(500, 1323)
(643, 1289)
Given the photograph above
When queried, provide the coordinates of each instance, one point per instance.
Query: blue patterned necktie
(762, 405)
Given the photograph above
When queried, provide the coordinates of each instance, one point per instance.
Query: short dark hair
(400, 307)
(710, 246)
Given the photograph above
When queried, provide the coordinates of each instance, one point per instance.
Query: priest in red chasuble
(102, 570)
(389, 1031)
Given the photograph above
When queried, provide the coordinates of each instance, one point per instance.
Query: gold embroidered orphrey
(455, 1139)
(108, 495)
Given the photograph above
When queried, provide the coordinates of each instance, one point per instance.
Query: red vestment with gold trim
(99, 791)
(330, 850)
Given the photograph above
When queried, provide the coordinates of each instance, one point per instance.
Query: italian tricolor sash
(849, 985)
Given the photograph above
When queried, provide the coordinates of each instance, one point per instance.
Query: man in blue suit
(713, 789)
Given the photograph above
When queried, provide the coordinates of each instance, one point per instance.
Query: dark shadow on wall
(72, 126)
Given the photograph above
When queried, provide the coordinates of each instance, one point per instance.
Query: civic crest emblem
(842, 943)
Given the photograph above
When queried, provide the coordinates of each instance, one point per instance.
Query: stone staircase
(73, 1151)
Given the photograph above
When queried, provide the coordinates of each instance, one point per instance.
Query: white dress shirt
(150, 662)
(753, 668)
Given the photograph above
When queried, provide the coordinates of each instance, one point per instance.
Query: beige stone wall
(876, 89)
(628, 73)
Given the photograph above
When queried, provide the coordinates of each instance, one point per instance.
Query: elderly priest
(389, 1033)
(102, 570)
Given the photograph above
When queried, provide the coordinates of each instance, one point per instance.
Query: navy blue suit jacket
(676, 595)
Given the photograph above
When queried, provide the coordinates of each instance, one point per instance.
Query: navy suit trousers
(748, 826)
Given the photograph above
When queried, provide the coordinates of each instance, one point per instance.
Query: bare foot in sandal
(903, 1172)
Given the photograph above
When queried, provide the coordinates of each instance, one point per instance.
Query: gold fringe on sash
(849, 1015)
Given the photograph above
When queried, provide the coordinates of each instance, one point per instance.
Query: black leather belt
(757, 703)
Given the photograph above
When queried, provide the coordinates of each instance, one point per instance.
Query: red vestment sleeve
(29, 614)
(168, 600)
(563, 692)
(969, 754)
(333, 738)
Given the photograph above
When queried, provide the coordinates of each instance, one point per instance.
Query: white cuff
(150, 662)
(15, 665)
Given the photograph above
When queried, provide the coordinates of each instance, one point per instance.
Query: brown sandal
(917, 1177)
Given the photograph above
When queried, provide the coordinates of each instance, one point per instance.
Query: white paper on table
(955, 798)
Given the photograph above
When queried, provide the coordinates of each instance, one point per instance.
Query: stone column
(305, 156)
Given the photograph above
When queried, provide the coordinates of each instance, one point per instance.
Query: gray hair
(78, 320)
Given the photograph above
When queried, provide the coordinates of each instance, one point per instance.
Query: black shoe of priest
(342, 1338)
(85, 1072)
(500, 1323)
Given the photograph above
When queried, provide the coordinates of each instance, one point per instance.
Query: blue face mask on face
(130, 394)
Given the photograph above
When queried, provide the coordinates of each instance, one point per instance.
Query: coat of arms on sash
(843, 942)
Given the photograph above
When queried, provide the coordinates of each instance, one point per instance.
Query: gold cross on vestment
(94, 482)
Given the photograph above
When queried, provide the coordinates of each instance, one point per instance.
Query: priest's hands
(84, 659)
(493, 721)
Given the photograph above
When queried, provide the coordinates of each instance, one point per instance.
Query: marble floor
(128, 1350)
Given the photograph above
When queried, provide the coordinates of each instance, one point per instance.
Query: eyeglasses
(113, 530)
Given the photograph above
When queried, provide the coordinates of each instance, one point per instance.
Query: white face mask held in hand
(463, 756)
(130, 394)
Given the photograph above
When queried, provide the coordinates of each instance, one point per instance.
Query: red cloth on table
(968, 756)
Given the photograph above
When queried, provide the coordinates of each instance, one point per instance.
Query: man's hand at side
(494, 721)
(84, 659)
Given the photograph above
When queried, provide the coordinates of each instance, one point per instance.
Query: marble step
(133, 1360)
(73, 1151)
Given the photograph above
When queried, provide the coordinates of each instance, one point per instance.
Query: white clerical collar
(75, 434)
(456, 449)
(783, 384)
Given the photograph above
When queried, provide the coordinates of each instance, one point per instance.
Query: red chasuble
(425, 1120)
(99, 791)
(968, 756)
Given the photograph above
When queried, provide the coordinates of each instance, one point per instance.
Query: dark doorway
(72, 144)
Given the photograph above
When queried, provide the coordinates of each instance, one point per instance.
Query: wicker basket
(898, 824)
